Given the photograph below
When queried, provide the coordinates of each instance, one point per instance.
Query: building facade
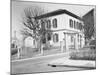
(66, 27)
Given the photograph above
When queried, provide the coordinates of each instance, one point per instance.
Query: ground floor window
(78, 38)
(72, 38)
(49, 36)
(55, 37)
(33, 42)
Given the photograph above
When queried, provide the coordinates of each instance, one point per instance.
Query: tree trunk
(41, 47)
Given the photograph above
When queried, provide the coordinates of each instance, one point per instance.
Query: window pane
(49, 37)
(55, 37)
(74, 24)
(78, 37)
(77, 25)
(55, 23)
(72, 38)
(71, 23)
(80, 26)
(42, 24)
(48, 24)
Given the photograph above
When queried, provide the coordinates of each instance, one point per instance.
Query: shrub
(14, 51)
(83, 55)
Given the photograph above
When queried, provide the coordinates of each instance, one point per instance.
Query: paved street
(39, 64)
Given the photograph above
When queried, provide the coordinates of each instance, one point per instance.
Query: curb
(73, 63)
(71, 66)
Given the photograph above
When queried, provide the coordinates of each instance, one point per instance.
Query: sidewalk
(66, 62)
(30, 53)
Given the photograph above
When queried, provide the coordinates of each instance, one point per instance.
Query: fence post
(76, 42)
(41, 49)
(61, 46)
(18, 53)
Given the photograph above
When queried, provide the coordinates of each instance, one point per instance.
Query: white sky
(19, 6)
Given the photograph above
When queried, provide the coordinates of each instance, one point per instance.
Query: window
(78, 37)
(80, 26)
(55, 23)
(74, 24)
(12, 45)
(72, 38)
(49, 24)
(42, 24)
(55, 37)
(49, 36)
(44, 40)
(34, 42)
(77, 25)
(71, 23)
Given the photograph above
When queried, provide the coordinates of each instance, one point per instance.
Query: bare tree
(25, 34)
(32, 25)
(89, 27)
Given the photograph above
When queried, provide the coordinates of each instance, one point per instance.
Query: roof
(58, 12)
(91, 11)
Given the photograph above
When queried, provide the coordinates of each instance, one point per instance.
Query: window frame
(43, 24)
(81, 26)
(71, 23)
(74, 24)
(55, 38)
(48, 24)
(77, 23)
(72, 39)
(54, 23)
(48, 36)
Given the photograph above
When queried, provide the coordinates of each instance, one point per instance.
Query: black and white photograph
(52, 37)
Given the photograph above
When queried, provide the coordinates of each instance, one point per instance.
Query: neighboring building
(14, 41)
(66, 27)
(30, 42)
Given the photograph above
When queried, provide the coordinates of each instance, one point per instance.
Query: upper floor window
(42, 24)
(74, 24)
(77, 25)
(71, 23)
(48, 24)
(55, 37)
(55, 23)
(80, 26)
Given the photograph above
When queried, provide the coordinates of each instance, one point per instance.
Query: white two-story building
(67, 28)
